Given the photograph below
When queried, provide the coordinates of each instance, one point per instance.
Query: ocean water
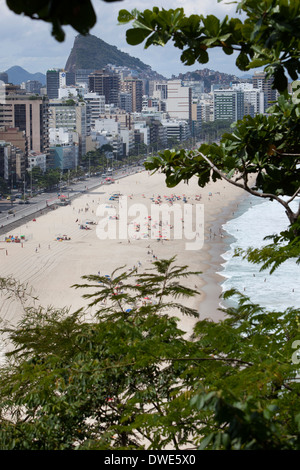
(253, 221)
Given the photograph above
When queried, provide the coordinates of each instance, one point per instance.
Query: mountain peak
(90, 52)
(17, 75)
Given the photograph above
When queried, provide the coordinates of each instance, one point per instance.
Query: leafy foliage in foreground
(129, 378)
(269, 37)
(262, 154)
(80, 15)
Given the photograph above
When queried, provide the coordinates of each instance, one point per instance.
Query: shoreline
(216, 247)
(52, 266)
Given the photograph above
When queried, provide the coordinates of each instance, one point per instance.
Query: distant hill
(211, 77)
(17, 75)
(90, 52)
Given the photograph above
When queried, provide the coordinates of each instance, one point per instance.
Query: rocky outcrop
(90, 52)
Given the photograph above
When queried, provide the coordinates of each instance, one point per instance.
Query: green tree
(52, 178)
(212, 131)
(132, 379)
(250, 385)
(265, 147)
(110, 383)
(35, 177)
(267, 38)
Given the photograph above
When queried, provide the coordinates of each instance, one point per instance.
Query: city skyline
(36, 50)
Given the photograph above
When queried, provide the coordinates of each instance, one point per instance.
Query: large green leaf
(136, 36)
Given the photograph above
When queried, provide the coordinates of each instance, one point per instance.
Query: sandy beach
(51, 265)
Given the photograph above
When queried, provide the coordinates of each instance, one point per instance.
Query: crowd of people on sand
(142, 230)
(150, 227)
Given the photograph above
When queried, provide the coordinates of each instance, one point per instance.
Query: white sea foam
(276, 291)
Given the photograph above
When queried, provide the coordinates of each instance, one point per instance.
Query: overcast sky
(29, 43)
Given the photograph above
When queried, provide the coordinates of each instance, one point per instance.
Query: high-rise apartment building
(28, 114)
(73, 117)
(62, 115)
(82, 77)
(260, 81)
(15, 136)
(176, 130)
(158, 89)
(179, 101)
(82, 126)
(125, 101)
(197, 87)
(33, 86)
(58, 78)
(12, 163)
(135, 88)
(228, 105)
(95, 107)
(64, 149)
(254, 98)
(106, 84)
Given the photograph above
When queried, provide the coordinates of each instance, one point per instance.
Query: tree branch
(202, 359)
(296, 193)
(291, 215)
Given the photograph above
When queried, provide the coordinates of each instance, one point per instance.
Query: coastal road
(13, 214)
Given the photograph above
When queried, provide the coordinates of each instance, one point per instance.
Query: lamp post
(68, 184)
(24, 188)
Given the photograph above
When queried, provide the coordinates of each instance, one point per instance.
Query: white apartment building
(197, 87)
(62, 136)
(37, 159)
(127, 136)
(62, 114)
(206, 103)
(95, 106)
(67, 92)
(179, 100)
(253, 96)
(108, 131)
(108, 125)
(158, 89)
(176, 129)
(64, 148)
(142, 127)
